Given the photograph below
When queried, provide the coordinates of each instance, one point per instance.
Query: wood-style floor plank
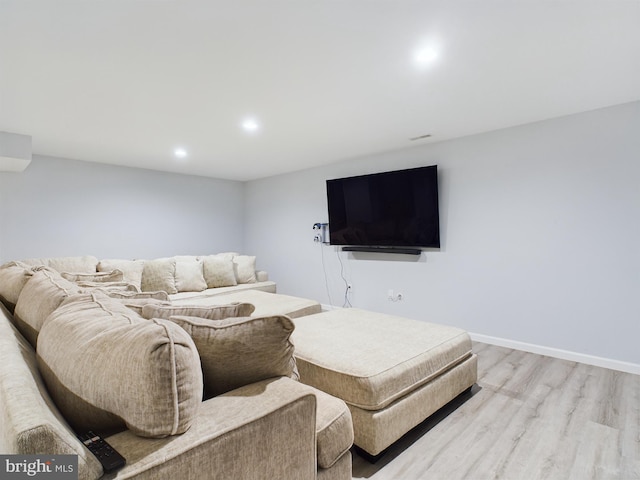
(528, 417)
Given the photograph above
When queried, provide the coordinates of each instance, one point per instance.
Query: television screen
(391, 209)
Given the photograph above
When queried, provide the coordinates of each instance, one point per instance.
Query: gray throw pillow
(238, 351)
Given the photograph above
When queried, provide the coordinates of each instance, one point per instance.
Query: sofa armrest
(261, 276)
(262, 430)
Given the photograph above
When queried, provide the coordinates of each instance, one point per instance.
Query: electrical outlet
(392, 296)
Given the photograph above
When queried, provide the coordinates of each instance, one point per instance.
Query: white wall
(60, 207)
(539, 223)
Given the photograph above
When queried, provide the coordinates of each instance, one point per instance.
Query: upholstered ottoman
(265, 303)
(392, 372)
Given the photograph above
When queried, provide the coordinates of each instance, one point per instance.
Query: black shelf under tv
(401, 250)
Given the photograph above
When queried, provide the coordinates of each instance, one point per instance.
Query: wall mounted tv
(390, 209)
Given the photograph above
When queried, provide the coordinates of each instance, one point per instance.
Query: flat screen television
(390, 209)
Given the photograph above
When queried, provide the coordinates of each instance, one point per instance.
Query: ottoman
(266, 303)
(392, 372)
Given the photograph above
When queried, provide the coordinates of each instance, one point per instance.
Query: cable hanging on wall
(347, 285)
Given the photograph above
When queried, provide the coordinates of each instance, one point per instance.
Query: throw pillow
(238, 351)
(95, 277)
(159, 274)
(131, 269)
(213, 312)
(189, 277)
(218, 271)
(137, 304)
(159, 295)
(245, 268)
(41, 295)
(109, 286)
(153, 383)
(13, 278)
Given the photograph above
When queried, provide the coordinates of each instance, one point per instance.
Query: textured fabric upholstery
(189, 276)
(214, 312)
(131, 269)
(341, 470)
(265, 303)
(334, 429)
(407, 354)
(137, 304)
(30, 424)
(244, 267)
(158, 295)
(41, 295)
(268, 286)
(159, 274)
(218, 271)
(265, 430)
(86, 263)
(13, 278)
(238, 351)
(158, 386)
(375, 430)
(95, 277)
(107, 286)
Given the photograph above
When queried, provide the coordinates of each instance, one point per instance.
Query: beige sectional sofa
(84, 346)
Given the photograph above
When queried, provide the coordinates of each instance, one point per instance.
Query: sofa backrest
(80, 264)
(30, 423)
(40, 296)
(152, 381)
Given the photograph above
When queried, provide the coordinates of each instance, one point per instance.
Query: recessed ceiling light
(180, 153)
(250, 125)
(425, 56)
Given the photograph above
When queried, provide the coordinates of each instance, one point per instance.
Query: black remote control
(108, 457)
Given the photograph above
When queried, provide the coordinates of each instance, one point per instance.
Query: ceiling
(127, 82)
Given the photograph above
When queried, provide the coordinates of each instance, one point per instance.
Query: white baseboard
(558, 353)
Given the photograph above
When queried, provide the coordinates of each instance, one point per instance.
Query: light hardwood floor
(528, 417)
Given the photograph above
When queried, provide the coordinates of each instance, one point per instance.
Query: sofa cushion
(159, 274)
(41, 295)
(334, 428)
(131, 269)
(238, 351)
(333, 354)
(245, 268)
(86, 263)
(153, 382)
(30, 423)
(136, 301)
(95, 277)
(265, 303)
(209, 312)
(138, 304)
(13, 278)
(109, 286)
(189, 276)
(159, 295)
(218, 271)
